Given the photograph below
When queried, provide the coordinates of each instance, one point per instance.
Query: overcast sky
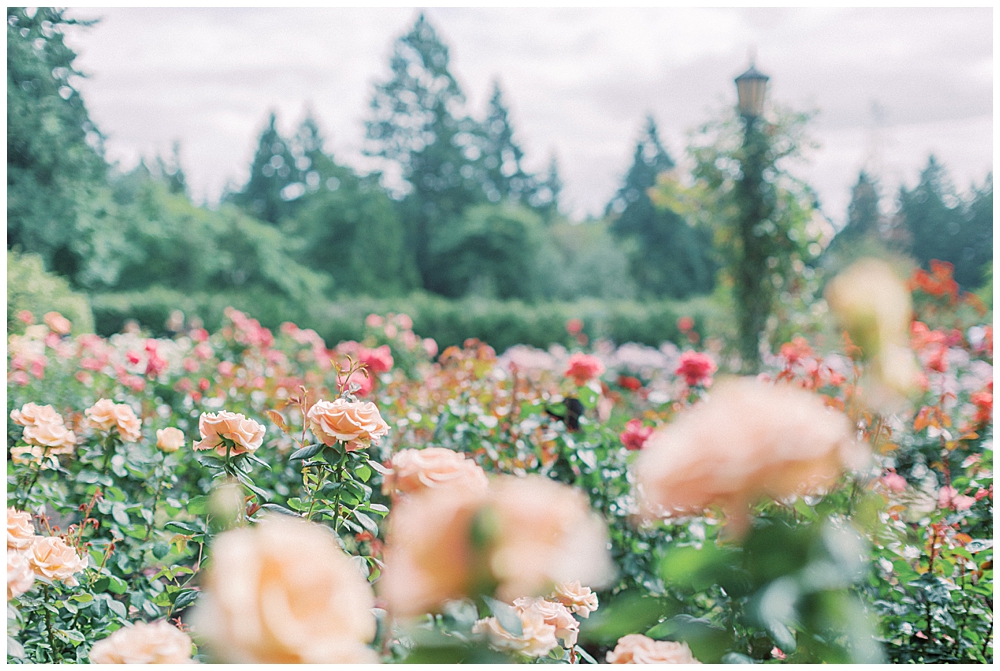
(579, 83)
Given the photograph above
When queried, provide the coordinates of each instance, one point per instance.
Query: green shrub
(30, 287)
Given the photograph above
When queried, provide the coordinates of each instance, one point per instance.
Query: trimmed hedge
(30, 287)
(450, 322)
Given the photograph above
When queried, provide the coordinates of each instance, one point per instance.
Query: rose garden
(255, 496)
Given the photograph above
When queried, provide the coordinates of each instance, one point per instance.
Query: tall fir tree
(667, 257)
(977, 252)
(55, 158)
(272, 171)
(504, 176)
(418, 122)
(544, 198)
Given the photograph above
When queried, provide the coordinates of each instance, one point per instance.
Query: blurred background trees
(455, 212)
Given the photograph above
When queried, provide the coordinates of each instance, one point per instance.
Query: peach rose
(44, 427)
(750, 440)
(521, 535)
(20, 530)
(246, 435)
(169, 439)
(567, 628)
(57, 322)
(351, 422)
(141, 643)
(20, 577)
(283, 592)
(33, 454)
(432, 467)
(537, 637)
(579, 599)
(52, 558)
(106, 415)
(639, 649)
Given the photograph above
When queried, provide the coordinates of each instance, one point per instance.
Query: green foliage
(667, 256)
(54, 152)
(941, 225)
(271, 173)
(590, 263)
(504, 176)
(31, 288)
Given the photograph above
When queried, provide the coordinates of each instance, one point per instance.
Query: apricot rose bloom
(20, 530)
(639, 649)
(579, 599)
(433, 467)
(44, 427)
(749, 440)
(245, 434)
(539, 628)
(567, 628)
(354, 423)
(20, 577)
(521, 535)
(141, 643)
(283, 592)
(106, 415)
(169, 439)
(52, 558)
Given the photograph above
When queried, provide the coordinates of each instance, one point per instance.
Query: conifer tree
(418, 122)
(667, 257)
(272, 171)
(504, 176)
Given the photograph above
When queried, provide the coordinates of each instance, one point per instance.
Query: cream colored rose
(169, 439)
(567, 628)
(433, 467)
(57, 322)
(20, 530)
(579, 599)
(749, 440)
(283, 592)
(44, 427)
(352, 422)
(33, 454)
(246, 434)
(106, 415)
(20, 577)
(872, 303)
(522, 535)
(141, 643)
(639, 649)
(52, 558)
(537, 637)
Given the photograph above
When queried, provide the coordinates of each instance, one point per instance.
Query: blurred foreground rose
(20, 577)
(639, 649)
(352, 422)
(583, 367)
(106, 415)
(245, 435)
(283, 592)
(433, 467)
(142, 643)
(749, 440)
(519, 538)
(52, 558)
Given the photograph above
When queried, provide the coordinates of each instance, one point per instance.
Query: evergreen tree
(863, 218)
(504, 176)
(172, 173)
(271, 173)
(55, 164)
(945, 227)
(418, 122)
(545, 197)
(315, 170)
(666, 256)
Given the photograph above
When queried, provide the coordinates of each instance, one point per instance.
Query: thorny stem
(159, 475)
(336, 502)
(321, 479)
(55, 657)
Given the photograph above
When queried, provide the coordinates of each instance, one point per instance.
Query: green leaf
(584, 654)
(736, 658)
(198, 505)
(117, 585)
(280, 509)
(185, 598)
(378, 468)
(117, 607)
(306, 452)
(160, 550)
(368, 523)
(363, 473)
(506, 615)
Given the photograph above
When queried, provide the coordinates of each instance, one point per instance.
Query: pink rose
(378, 360)
(57, 323)
(635, 434)
(244, 435)
(696, 368)
(583, 367)
(169, 439)
(948, 497)
(894, 482)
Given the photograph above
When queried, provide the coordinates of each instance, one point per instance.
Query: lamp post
(754, 291)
